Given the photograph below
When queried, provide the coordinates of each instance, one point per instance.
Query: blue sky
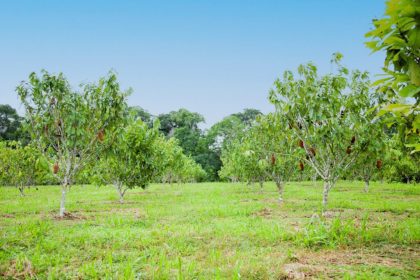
(214, 57)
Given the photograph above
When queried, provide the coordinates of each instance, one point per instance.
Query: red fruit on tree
(301, 144)
(56, 168)
(101, 135)
(273, 159)
(301, 166)
(348, 151)
(312, 151)
(353, 139)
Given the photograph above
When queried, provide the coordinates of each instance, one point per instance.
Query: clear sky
(215, 57)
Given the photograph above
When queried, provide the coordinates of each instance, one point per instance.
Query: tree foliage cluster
(203, 146)
(88, 135)
(324, 126)
(398, 34)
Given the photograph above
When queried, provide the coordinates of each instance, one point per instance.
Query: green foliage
(70, 127)
(21, 167)
(264, 152)
(399, 164)
(205, 146)
(145, 116)
(248, 116)
(179, 119)
(398, 34)
(373, 150)
(10, 124)
(179, 167)
(140, 155)
(324, 114)
(134, 159)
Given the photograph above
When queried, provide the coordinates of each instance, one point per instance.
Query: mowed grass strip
(212, 231)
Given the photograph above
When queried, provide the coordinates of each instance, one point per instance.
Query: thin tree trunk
(63, 200)
(21, 188)
(261, 185)
(65, 184)
(280, 187)
(366, 185)
(121, 197)
(327, 187)
(120, 191)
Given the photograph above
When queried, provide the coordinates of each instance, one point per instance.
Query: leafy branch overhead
(398, 34)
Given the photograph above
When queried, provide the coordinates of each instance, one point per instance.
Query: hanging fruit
(273, 159)
(348, 151)
(312, 151)
(56, 168)
(301, 166)
(301, 144)
(101, 136)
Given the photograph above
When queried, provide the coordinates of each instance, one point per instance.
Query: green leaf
(398, 108)
(409, 91)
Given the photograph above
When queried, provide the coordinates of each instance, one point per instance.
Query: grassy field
(212, 231)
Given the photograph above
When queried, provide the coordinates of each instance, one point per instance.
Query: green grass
(212, 231)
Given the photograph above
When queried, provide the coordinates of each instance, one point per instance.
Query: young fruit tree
(21, 167)
(272, 143)
(372, 152)
(326, 115)
(242, 163)
(135, 158)
(179, 167)
(70, 127)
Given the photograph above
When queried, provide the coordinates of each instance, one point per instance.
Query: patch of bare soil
(7, 216)
(301, 271)
(265, 212)
(310, 264)
(19, 271)
(137, 213)
(70, 216)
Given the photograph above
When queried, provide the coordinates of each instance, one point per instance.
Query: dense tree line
(204, 146)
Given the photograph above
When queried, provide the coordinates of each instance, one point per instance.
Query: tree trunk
(21, 188)
(327, 187)
(63, 200)
(366, 185)
(121, 197)
(261, 185)
(280, 187)
(120, 191)
(65, 184)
